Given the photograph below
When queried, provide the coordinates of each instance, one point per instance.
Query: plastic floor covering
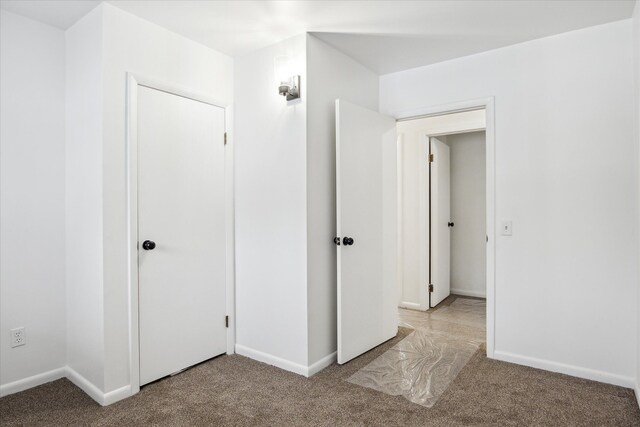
(423, 365)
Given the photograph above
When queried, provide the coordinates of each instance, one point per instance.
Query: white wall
(135, 45)
(84, 240)
(565, 175)
(331, 75)
(414, 198)
(32, 153)
(468, 213)
(271, 210)
(636, 70)
(103, 47)
(285, 171)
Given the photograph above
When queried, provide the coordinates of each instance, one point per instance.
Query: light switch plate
(507, 228)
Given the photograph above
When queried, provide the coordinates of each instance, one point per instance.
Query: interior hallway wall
(32, 199)
(102, 48)
(566, 176)
(84, 237)
(331, 75)
(271, 210)
(468, 213)
(134, 45)
(285, 171)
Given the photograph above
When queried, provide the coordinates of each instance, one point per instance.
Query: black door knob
(450, 224)
(336, 240)
(347, 241)
(148, 245)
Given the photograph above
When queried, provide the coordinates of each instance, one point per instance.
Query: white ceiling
(59, 13)
(385, 36)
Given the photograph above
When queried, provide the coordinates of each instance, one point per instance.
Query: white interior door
(181, 209)
(440, 216)
(367, 203)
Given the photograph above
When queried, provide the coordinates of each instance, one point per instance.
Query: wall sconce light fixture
(290, 88)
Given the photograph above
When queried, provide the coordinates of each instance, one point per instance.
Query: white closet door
(440, 207)
(367, 203)
(181, 209)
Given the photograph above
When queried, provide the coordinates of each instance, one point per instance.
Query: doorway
(457, 216)
(358, 132)
(443, 330)
(441, 184)
(468, 213)
(178, 228)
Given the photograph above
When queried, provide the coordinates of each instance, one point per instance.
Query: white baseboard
(638, 394)
(80, 381)
(85, 385)
(469, 293)
(94, 392)
(411, 305)
(269, 359)
(575, 371)
(117, 395)
(287, 365)
(321, 364)
(32, 381)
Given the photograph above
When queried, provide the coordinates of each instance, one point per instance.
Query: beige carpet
(236, 391)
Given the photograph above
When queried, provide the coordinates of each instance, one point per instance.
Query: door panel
(367, 203)
(181, 208)
(440, 208)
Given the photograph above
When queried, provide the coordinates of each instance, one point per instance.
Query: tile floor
(423, 365)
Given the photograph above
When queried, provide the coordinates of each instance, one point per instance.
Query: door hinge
(226, 321)
(225, 138)
(430, 288)
(430, 158)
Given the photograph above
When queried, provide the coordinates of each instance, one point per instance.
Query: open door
(439, 221)
(366, 229)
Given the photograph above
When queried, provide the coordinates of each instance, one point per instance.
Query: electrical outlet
(18, 337)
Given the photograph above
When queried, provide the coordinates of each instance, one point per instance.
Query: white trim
(269, 359)
(230, 218)
(318, 366)
(437, 110)
(287, 365)
(132, 230)
(468, 293)
(400, 223)
(133, 81)
(174, 89)
(489, 105)
(94, 392)
(411, 305)
(32, 381)
(575, 371)
(81, 382)
(117, 395)
(490, 135)
(85, 385)
(423, 225)
(637, 390)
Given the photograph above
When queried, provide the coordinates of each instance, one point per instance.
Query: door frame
(133, 82)
(488, 104)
